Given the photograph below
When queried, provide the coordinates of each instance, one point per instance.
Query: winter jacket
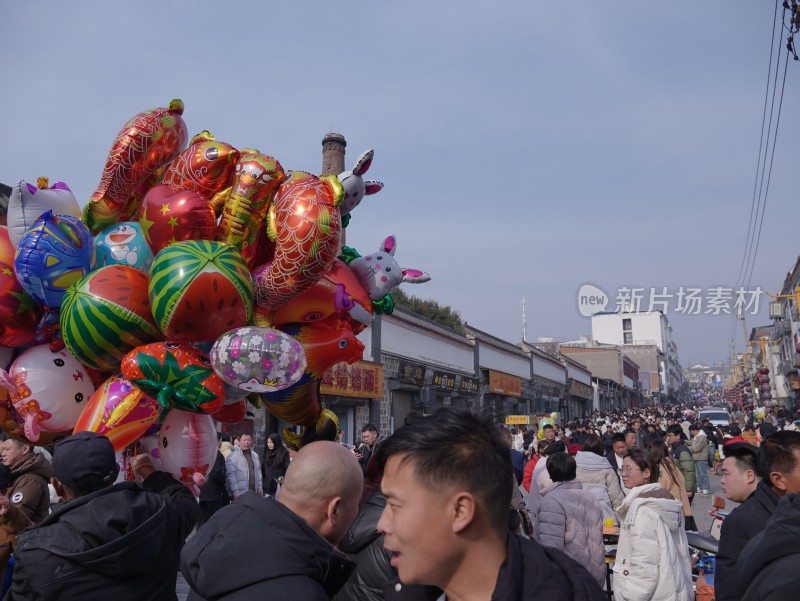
(273, 472)
(741, 525)
(236, 472)
(364, 545)
(215, 490)
(652, 562)
(540, 479)
(13, 522)
(367, 452)
(699, 446)
(120, 543)
(768, 566)
(597, 477)
(676, 489)
(528, 474)
(570, 519)
(226, 448)
(257, 548)
(29, 479)
(531, 572)
(750, 438)
(682, 456)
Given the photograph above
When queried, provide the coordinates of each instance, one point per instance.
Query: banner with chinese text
(362, 379)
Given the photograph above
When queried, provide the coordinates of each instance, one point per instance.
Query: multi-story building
(650, 328)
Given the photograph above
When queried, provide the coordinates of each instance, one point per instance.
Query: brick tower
(333, 146)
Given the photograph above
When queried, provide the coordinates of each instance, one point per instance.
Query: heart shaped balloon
(169, 216)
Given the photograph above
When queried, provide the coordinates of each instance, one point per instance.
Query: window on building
(627, 331)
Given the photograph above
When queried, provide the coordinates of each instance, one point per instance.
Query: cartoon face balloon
(119, 411)
(176, 374)
(54, 254)
(28, 202)
(123, 244)
(258, 359)
(188, 446)
(48, 389)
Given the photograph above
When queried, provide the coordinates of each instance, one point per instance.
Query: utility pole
(524, 322)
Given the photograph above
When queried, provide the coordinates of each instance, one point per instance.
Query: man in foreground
(447, 482)
(119, 541)
(263, 548)
(30, 475)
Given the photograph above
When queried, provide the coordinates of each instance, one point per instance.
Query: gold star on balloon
(145, 223)
(25, 302)
(173, 222)
(7, 271)
(164, 208)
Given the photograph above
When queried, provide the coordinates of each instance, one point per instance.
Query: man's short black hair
(457, 448)
(627, 431)
(676, 429)
(618, 437)
(225, 436)
(561, 467)
(369, 428)
(777, 453)
(745, 455)
(547, 427)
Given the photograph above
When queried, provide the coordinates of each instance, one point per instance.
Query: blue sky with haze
(526, 147)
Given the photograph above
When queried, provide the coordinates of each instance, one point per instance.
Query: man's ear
(332, 509)
(464, 508)
(778, 480)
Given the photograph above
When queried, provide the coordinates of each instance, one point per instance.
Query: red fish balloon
(206, 167)
(145, 143)
(304, 221)
(326, 343)
(176, 374)
(119, 411)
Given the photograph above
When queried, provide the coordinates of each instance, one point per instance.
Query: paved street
(703, 503)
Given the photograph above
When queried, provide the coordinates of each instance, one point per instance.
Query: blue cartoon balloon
(53, 254)
(123, 244)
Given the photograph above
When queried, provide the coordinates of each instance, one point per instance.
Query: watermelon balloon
(119, 411)
(176, 374)
(107, 314)
(53, 254)
(18, 313)
(199, 290)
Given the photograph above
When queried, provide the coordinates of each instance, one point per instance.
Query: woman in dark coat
(276, 462)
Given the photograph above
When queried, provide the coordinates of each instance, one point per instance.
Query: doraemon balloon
(48, 389)
(123, 244)
(53, 254)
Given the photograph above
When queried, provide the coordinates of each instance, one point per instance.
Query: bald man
(263, 548)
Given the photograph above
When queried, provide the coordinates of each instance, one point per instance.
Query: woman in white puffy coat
(598, 477)
(652, 562)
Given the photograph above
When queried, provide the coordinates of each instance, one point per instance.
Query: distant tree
(430, 309)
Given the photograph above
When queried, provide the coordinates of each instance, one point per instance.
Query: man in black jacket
(447, 479)
(778, 460)
(106, 541)
(263, 548)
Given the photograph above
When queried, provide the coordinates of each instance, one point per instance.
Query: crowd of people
(453, 506)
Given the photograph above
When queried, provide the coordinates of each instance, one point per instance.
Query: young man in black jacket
(447, 479)
(106, 541)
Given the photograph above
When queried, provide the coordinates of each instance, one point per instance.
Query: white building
(642, 328)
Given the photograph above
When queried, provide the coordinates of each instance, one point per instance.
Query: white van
(718, 416)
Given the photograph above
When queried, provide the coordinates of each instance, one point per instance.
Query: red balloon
(231, 413)
(7, 249)
(168, 216)
(19, 314)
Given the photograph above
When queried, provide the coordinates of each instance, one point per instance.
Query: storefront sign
(579, 389)
(518, 419)
(501, 383)
(412, 373)
(468, 385)
(362, 379)
(444, 380)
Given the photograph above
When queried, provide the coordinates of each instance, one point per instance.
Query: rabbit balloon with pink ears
(355, 188)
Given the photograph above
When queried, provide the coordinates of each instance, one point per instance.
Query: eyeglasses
(630, 470)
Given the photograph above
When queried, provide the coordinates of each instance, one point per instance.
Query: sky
(526, 147)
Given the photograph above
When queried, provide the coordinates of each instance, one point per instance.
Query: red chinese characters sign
(362, 379)
(506, 384)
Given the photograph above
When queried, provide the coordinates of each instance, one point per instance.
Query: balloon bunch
(197, 279)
